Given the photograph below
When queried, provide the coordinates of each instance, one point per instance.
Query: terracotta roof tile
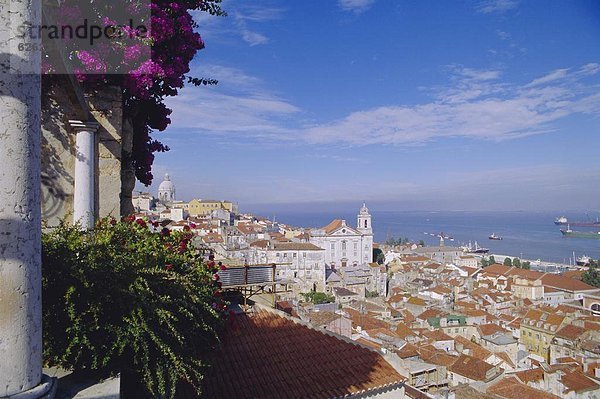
(566, 283)
(268, 354)
(570, 332)
(476, 350)
(489, 329)
(334, 225)
(511, 388)
(471, 367)
(577, 381)
(531, 375)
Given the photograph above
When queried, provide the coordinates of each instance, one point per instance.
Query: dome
(166, 184)
(166, 190)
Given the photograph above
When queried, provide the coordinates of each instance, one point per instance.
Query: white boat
(583, 260)
(493, 236)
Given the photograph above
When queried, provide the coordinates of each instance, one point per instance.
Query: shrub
(124, 297)
(317, 297)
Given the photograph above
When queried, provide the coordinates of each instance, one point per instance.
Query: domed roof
(166, 185)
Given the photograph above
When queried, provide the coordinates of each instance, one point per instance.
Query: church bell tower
(363, 223)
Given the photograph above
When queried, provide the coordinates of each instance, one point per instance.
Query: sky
(408, 105)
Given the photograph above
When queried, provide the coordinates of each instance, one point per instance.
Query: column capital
(90, 126)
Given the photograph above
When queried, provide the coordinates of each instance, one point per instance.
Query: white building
(345, 245)
(301, 261)
(142, 202)
(166, 190)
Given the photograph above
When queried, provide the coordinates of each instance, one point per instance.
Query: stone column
(20, 213)
(85, 183)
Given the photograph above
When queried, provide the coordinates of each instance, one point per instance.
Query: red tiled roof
(577, 381)
(511, 388)
(268, 355)
(477, 350)
(471, 367)
(489, 329)
(565, 283)
(408, 350)
(570, 331)
(531, 375)
(497, 268)
(334, 225)
(366, 322)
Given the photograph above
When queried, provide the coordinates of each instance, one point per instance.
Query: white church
(345, 245)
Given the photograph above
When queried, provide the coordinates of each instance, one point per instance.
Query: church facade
(345, 245)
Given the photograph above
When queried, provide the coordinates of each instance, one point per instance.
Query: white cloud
(496, 6)
(253, 38)
(475, 106)
(241, 22)
(552, 76)
(590, 69)
(356, 6)
(238, 104)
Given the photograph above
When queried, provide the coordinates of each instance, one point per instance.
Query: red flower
(165, 232)
(141, 223)
(169, 267)
(216, 277)
(186, 228)
(222, 266)
(113, 222)
(193, 225)
(155, 224)
(211, 264)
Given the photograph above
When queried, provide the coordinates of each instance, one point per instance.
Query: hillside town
(448, 327)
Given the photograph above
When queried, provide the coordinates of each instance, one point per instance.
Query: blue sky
(417, 105)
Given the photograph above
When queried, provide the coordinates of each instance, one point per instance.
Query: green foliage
(392, 242)
(122, 297)
(507, 261)
(591, 275)
(491, 260)
(378, 255)
(421, 243)
(371, 294)
(484, 262)
(516, 262)
(317, 297)
(526, 265)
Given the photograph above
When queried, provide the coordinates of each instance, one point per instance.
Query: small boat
(493, 236)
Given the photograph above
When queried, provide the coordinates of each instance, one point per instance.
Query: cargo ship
(580, 234)
(564, 221)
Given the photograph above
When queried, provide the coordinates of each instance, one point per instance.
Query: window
(295, 254)
(285, 254)
(332, 247)
(343, 245)
(366, 223)
(304, 254)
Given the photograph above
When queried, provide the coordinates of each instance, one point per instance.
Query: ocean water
(529, 235)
